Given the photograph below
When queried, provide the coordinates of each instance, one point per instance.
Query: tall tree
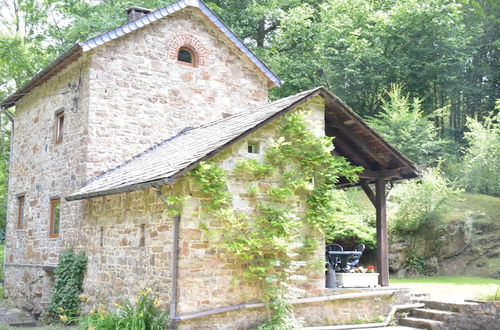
(403, 124)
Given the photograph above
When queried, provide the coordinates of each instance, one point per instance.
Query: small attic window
(253, 148)
(186, 56)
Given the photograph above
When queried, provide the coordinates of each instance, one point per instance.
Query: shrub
(417, 208)
(68, 275)
(143, 314)
(412, 261)
(481, 165)
(350, 223)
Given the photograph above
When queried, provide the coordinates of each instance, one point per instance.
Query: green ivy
(68, 275)
(293, 193)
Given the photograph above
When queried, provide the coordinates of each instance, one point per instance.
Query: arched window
(187, 50)
(186, 56)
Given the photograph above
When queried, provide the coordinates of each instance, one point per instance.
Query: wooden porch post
(382, 241)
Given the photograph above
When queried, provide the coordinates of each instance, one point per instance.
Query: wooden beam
(383, 174)
(382, 241)
(368, 191)
(351, 155)
(358, 142)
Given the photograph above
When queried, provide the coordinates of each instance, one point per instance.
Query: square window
(59, 127)
(253, 148)
(55, 217)
(20, 212)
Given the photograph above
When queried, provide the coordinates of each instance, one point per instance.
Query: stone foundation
(333, 312)
(29, 286)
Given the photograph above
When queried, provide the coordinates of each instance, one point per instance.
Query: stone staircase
(439, 315)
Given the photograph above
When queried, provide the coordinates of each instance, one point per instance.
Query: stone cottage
(113, 124)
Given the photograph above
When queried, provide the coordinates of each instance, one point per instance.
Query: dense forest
(424, 73)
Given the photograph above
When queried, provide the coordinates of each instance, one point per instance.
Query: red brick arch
(190, 42)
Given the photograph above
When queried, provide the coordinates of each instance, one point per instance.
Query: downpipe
(175, 263)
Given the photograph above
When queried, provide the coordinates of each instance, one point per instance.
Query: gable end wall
(140, 95)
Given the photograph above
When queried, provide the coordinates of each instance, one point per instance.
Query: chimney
(134, 13)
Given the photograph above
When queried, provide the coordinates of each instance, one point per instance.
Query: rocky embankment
(470, 245)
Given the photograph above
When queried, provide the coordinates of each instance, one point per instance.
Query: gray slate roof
(171, 158)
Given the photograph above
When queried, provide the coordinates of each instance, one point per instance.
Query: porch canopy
(357, 142)
(167, 161)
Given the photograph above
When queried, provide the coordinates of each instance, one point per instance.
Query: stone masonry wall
(333, 312)
(129, 246)
(118, 100)
(140, 95)
(42, 170)
(119, 266)
(205, 271)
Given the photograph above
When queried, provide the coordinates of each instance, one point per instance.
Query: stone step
(421, 323)
(458, 307)
(417, 296)
(434, 314)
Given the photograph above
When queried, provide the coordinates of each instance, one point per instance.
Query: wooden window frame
(53, 204)
(194, 58)
(20, 211)
(59, 127)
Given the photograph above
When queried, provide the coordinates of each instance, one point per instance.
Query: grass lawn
(450, 287)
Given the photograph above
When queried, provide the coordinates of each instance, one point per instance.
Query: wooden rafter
(359, 143)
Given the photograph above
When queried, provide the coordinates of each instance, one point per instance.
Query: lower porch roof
(173, 157)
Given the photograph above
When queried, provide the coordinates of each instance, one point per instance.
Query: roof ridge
(81, 47)
(160, 13)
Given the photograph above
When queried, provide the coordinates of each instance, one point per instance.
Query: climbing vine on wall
(68, 284)
(291, 192)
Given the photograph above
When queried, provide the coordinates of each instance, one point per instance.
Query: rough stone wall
(119, 265)
(484, 315)
(118, 100)
(140, 95)
(43, 170)
(129, 246)
(333, 312)
(205, 271)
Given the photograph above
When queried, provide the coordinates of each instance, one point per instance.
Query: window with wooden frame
(55, 218)
(186, 56)
(20, 212)
(59, 126)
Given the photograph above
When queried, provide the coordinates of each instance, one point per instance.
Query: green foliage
(415, 262)
(350, 223)
(418, 208)
(143, 314)
(68, 275)
(481, 165)
(298, 169)
(211, 181)
(490, 297)
(282, 318)
(405, 127)
(254, 168)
